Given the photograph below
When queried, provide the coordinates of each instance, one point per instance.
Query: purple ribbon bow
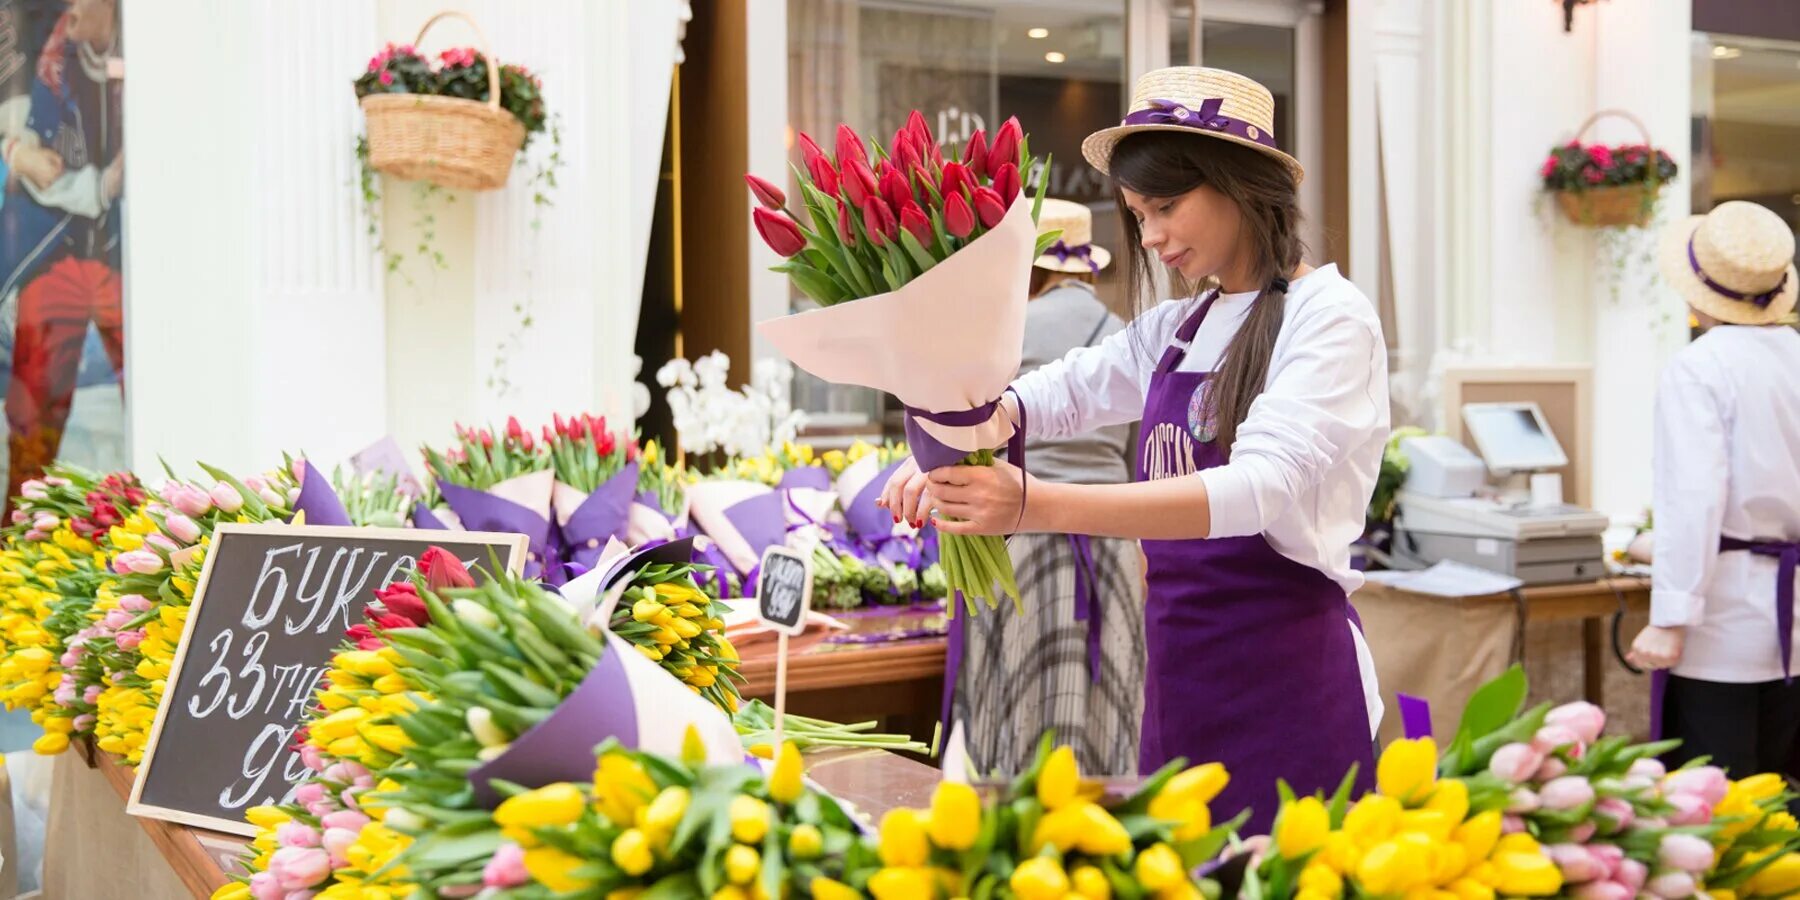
(1206, 118)
(1762, 299)
(1083, 252)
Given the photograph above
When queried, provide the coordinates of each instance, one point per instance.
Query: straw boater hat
(1735, 264)
(1210, 102)
(1075, 251)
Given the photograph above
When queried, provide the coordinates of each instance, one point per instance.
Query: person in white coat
(1727, 498)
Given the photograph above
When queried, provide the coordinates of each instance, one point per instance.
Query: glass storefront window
(1058, 65)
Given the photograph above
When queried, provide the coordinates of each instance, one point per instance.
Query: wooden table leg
(1593, 661)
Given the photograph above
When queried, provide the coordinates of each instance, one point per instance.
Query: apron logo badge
(1200, 424)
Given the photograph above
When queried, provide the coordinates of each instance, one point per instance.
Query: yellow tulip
(1452, 799)
(693, 748)
(1470, 889)
(1059, 779)
(730, 892)
(387, 737)
(1091, 883)
(1203, 783)
(1781, 821)
(1761, 787)
(805, 842)
(1101, 834)
(1039, 878)
(1430, 822)
(664, 813)
(1448, 863)
(903, 842)
(554, 804)
(552, 868)
(236, 890)
(631, 852)
(900, 884)
(50, 744)
(1373, 819)
(620, 787)
(1782, 877)
(1479, 835)
(827, 889)
(1301, 828)
(1340, 853)
(1526, 874)
(1060, 829)
(1158, 867)
(1720, 894)
(1517, 843)
(785, 781)
(1393, 866)
(741, 864)
(1192, 815)
(1407, 770)
(1322, 880)
(955, 816)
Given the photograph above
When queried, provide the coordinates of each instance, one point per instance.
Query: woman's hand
(1657, 648)
(979, 499)
(904, 495)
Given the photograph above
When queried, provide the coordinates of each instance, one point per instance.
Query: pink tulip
(134, 603)
(70, 659)
(182, 528)
(1706, 782)
(64, 695)
(1551, 770)
(276, 498)
(1583, 832)
(46, 522)
(1583, 718)
(1614, 813)
(309, 793)
(336, 843)
(1686, 852)
(184, 557)
(161, 542)
(1652, 823)
(116, 619)
(1511, 824)
(506, 869)
(1516, 762)
(1522, 800)
(263, 886)
(129, 640)
(1610, 857)
(1632, 874)
(299, 867)
(143, 562)
(256, 483)
(349, 798)
(1672, 885)
(307, 895)
(84, 722)
(296, 834)
(1571, 792)
(312, 757)
(19, 517)
(55, 481)
(1649, 768)
(347, 819)
(91, 695)
(190, 500)
(1689, 810)
(1558, 737)
(34, 490)
(1576, 863)
(226, 497)
(1601, 890)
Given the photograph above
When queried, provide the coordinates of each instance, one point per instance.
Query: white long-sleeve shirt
(1304, 463)
(1727, 435)
(1303, 467)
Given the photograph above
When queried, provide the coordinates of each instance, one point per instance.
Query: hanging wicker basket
(1614, 205)
(447, 141)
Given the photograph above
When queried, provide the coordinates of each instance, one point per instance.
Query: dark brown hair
(1266, 193)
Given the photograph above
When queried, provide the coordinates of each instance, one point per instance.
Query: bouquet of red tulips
(937, 253)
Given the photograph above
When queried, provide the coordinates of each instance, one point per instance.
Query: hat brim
(1673, 259)
(1098, 147)
(1100, 255)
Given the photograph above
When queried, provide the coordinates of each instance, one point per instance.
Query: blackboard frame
(803, 607)
(517, 545)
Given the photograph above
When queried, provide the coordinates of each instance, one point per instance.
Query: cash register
(1487, 510)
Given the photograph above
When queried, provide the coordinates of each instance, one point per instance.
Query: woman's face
(1195, 233)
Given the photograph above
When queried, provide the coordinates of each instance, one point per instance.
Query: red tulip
(1005, 148)
(850, 146)
(557, 420)
(781, 233)
(921, 177)
(879, 221)
(895, 189)
(956, 179)
(1006, 182)
(915, 123)
(907, 150)
(913, 220)
(513, 429)
(824, 177)
(859, 182)
(809, 150)
(845, 229)
(989, 207)
(402, 599)
(442, 570)
(975, 152)
(767, 194)
(958, 220)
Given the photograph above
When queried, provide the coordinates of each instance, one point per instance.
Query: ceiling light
(1055, 56)
(1038, 34)
(1722, 52)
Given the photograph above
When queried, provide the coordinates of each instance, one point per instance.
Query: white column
(770, 138)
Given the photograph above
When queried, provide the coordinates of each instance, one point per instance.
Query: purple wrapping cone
(761, 521)
(814, 477)
(318, 499)
(868, 521)
(423, 517)
(604, 514)
(561, 748)
(481, 511)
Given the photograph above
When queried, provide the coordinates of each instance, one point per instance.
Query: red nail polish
(921, 523)
(896, 520)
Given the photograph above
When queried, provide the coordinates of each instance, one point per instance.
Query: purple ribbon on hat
(1206, 118)
(1083, 252)
(1763, 299)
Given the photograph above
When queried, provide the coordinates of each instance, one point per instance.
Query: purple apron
(1251, 662)
(1787, 557)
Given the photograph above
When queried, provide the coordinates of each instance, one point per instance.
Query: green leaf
(816, 284)
(1045, 240)
(919, 255)
(1037, 203)
(894, 281)
(1494, 704)
(436, 851)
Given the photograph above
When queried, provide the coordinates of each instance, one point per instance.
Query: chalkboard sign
(784, 589)
(272, 604)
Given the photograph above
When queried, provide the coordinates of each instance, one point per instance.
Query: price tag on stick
(783, 597)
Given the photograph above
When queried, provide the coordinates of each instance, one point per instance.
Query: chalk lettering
(270, 570)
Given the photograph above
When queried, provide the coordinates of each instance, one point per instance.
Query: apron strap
(1087, 599)
(1787, 555)
(1184, 336)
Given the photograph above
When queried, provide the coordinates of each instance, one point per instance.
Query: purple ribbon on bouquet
(1206, 118)
(604, 514)
(482, 511)
(1415, 716)
(318, 499)
(931, 453)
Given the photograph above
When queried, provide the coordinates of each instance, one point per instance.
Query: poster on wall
(62, 330)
